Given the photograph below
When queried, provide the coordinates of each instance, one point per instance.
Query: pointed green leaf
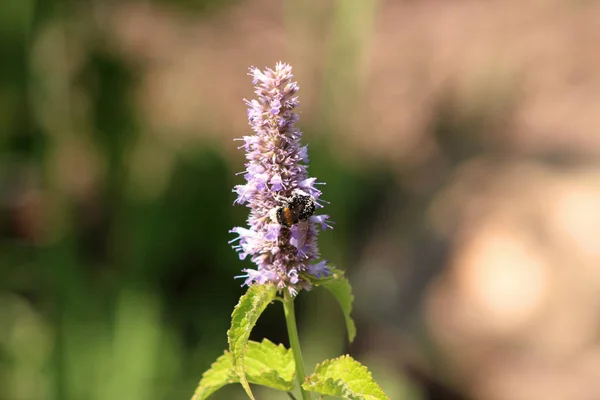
(243, 319)
(346, 378)
(221, 373)
(266, 364)
(270, 365)
(342, 291)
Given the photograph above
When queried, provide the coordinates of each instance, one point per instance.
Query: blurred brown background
(460, 143)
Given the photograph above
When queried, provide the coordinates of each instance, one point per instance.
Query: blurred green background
(448, 136)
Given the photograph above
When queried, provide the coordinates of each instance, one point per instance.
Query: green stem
(290, 320)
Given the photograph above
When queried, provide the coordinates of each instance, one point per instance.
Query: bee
(295, 210)
(300, 207)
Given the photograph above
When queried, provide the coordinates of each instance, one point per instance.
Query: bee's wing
(299, 233)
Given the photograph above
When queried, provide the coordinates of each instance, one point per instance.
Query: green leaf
(221, 373)
(266, 363)
(243, 319)
(342, 291)
(270, 365)
(346, 378)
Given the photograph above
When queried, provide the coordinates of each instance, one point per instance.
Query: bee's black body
(299, 208)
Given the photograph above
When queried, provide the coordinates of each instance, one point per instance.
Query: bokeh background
(460, 143)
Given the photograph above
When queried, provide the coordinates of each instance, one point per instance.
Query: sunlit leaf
(271, 365)
(266, 364)
(221, 373)
(243, 319)
(345, 378)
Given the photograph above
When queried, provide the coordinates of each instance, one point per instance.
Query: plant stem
(290, 320)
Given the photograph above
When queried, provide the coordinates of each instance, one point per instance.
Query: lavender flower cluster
(276, 170)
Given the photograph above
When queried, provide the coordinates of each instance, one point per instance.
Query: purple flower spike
(283, 249)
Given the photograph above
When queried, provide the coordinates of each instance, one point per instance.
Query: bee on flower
(281, 237)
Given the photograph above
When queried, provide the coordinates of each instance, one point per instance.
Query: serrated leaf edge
(200, 386)
(340, 382)
(235, 379)
(250, 295)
